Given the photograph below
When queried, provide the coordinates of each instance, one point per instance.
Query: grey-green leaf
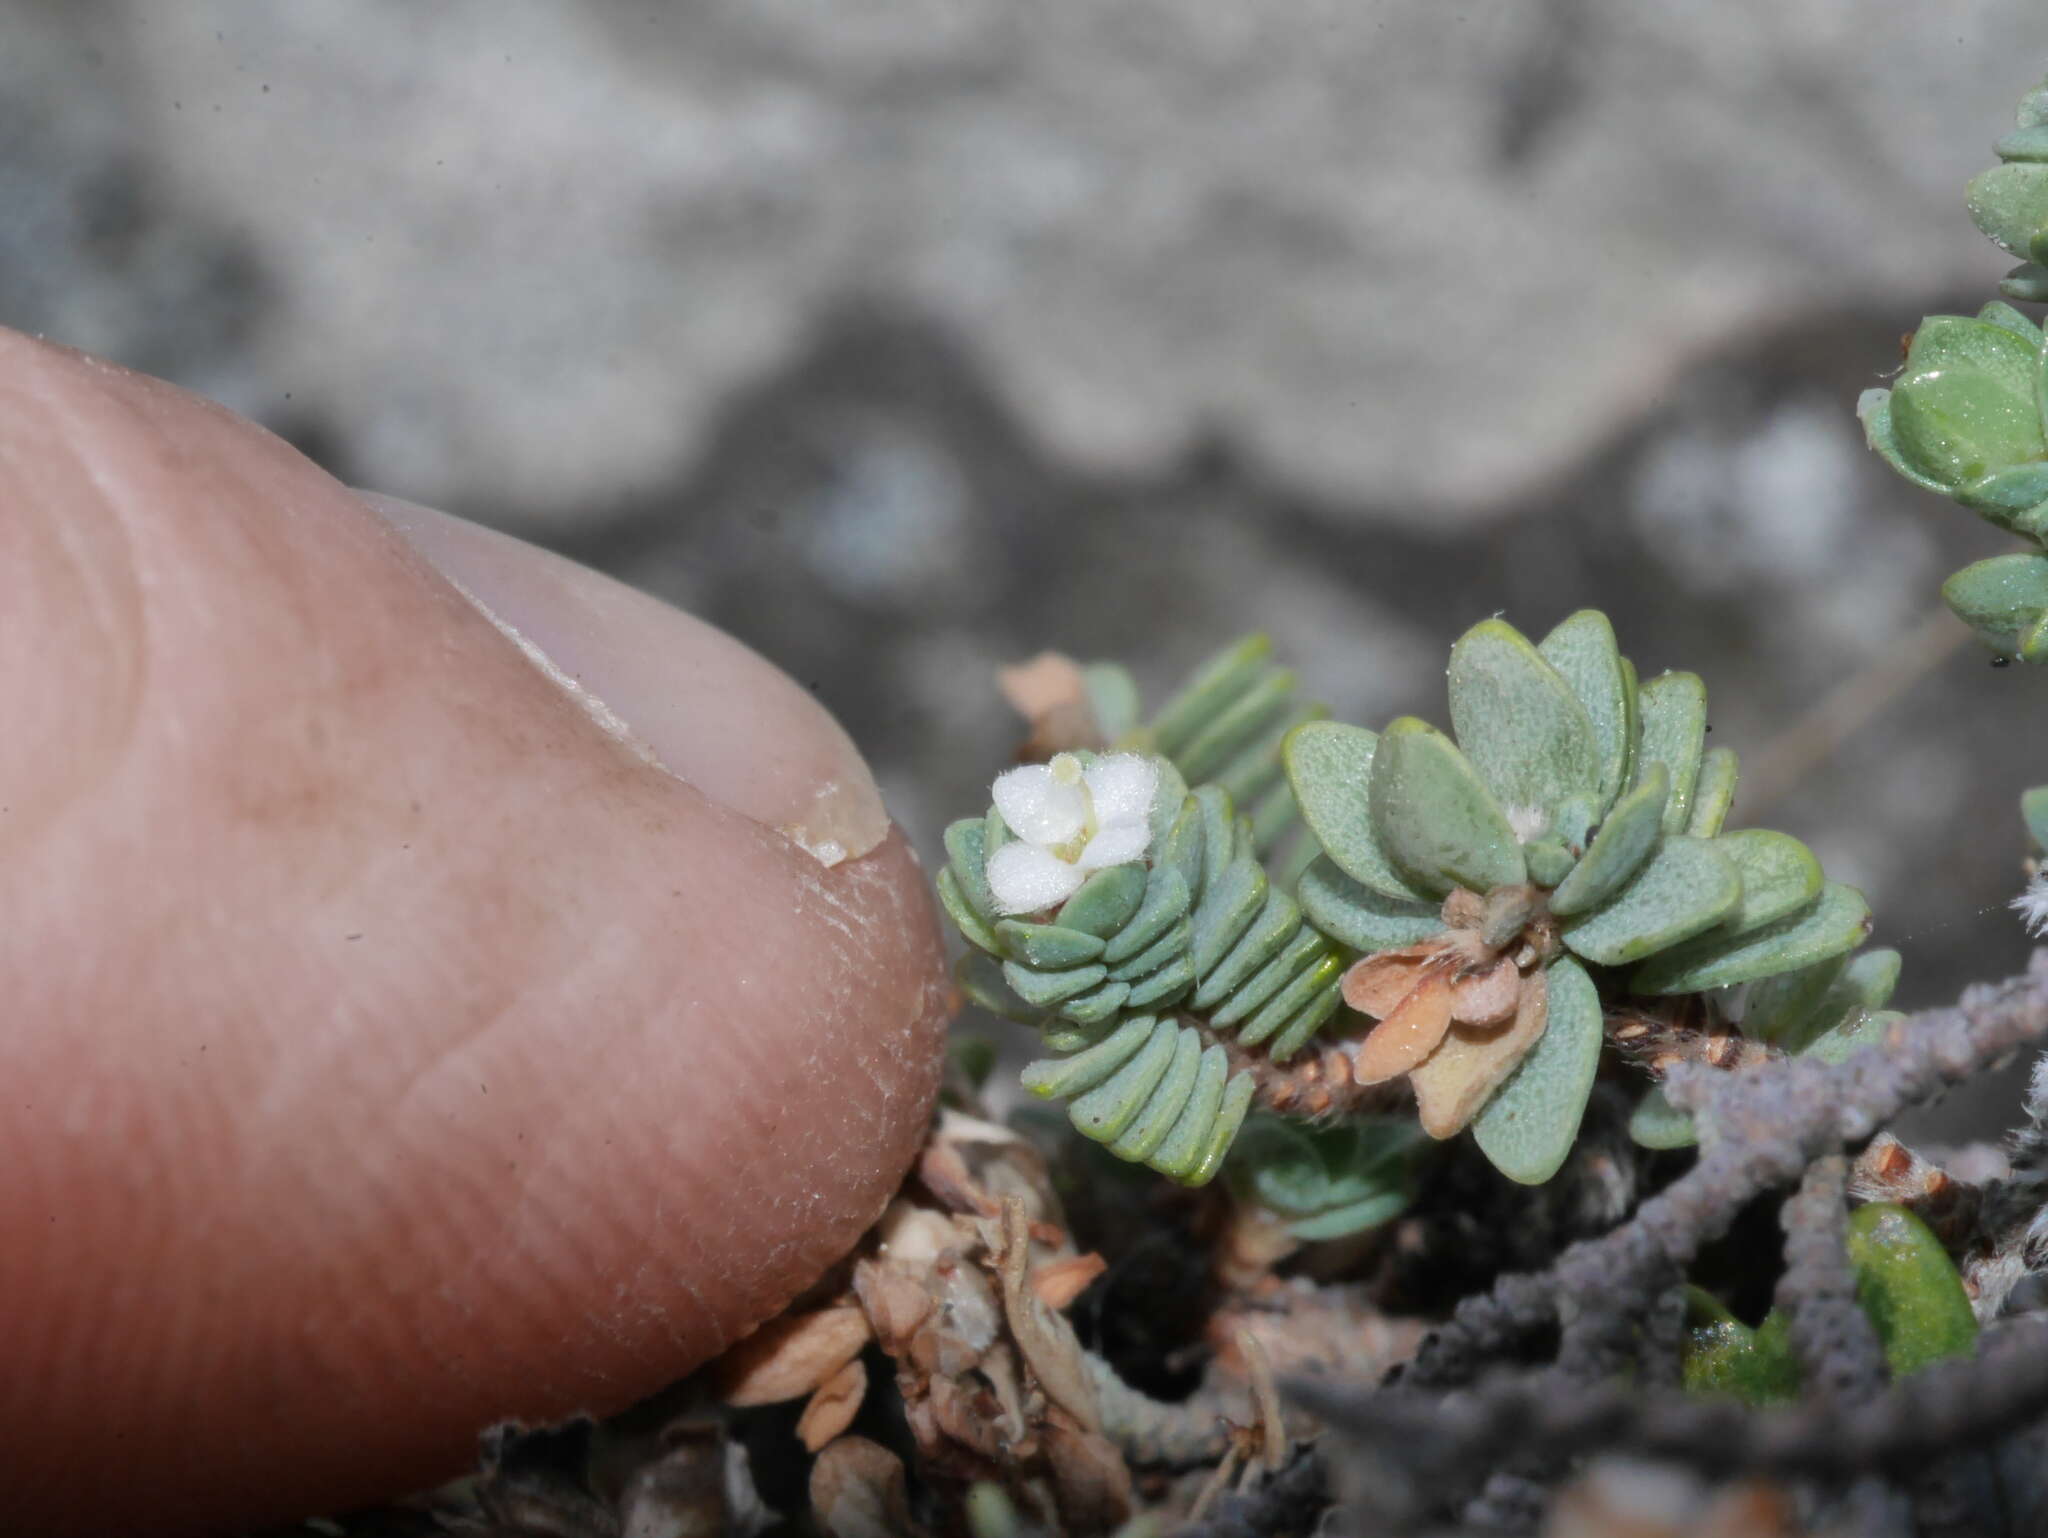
(1837, 922)
(1329, 765)
(2001, 599)
(1047, 945)
(1856, 990)
(1527, 1128)
(1106, 902)
(1518, 721)
(1625, 840)
(1434, 816)
(1353, 914)
(1686, 888)
(1852, 1035)
(1713, 793)
(1673, 711)
(1779, 874)
(1874, 410)
(1657, 1123)
(1583, 650)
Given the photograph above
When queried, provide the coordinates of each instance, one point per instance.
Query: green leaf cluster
(1826, 1011)
(1328, 1181)
(1905, 1283)
(2009, 202)
(1968, 414)
(1198, 925)
(1966, 418)
(1566, 775)
(1223, 727)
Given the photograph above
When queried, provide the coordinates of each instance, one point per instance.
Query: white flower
(1069, 821)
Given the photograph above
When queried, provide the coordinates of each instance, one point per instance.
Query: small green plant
(1496, 901)
(1968, 415)
(1906, 1286)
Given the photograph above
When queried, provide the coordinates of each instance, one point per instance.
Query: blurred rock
(522, 252)
(909, 338)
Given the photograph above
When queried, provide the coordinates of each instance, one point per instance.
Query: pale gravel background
(907, 336)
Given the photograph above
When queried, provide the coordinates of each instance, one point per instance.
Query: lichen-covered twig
(1950, 1406)
(1759, 1130)
(1291, 1502)
(1840, 1357)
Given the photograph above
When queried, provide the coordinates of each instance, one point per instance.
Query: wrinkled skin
(395, 1041)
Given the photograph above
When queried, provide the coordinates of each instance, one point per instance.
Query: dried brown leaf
(1488, 997)
(789, 1357)
(1408, 1035)
(1044, 1338)
(1377, 984)
(1472, 1063)
(834, 1403)
(858, 1490)
(1058, 1284)
(897, 1301)
(1051, 693)
(1091, 1481)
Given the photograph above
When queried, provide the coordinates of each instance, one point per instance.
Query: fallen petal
(1487, 998)
(1474, 1062)
(1408, 1035)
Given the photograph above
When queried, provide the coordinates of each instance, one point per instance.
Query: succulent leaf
(1217, 683)
(1874, 410)
(1356, 915)
(1835, 922)
(1434, 816)
(1779, 875)
(1330, 767)
(1047, 946)
(1106, 902)
(1517, 721)
(1112, 699)
(2009, 202)
(1722, 1355)
(1330, 1181)
(1687, 887)
(1908, 1286)
(1966, 404)
(1673, 711)
(1657, 1123)
(1712, 793)
(2034, 812)
(1626, 840)
(1852, 1035)
(1586, 655)
(1528, 1126)
(2003, 600)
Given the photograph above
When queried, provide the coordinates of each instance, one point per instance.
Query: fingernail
(686, 694)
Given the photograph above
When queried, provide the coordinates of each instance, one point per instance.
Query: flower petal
(1038, 808)
(1117, 845)
(1024, 878)
(1123, 785)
